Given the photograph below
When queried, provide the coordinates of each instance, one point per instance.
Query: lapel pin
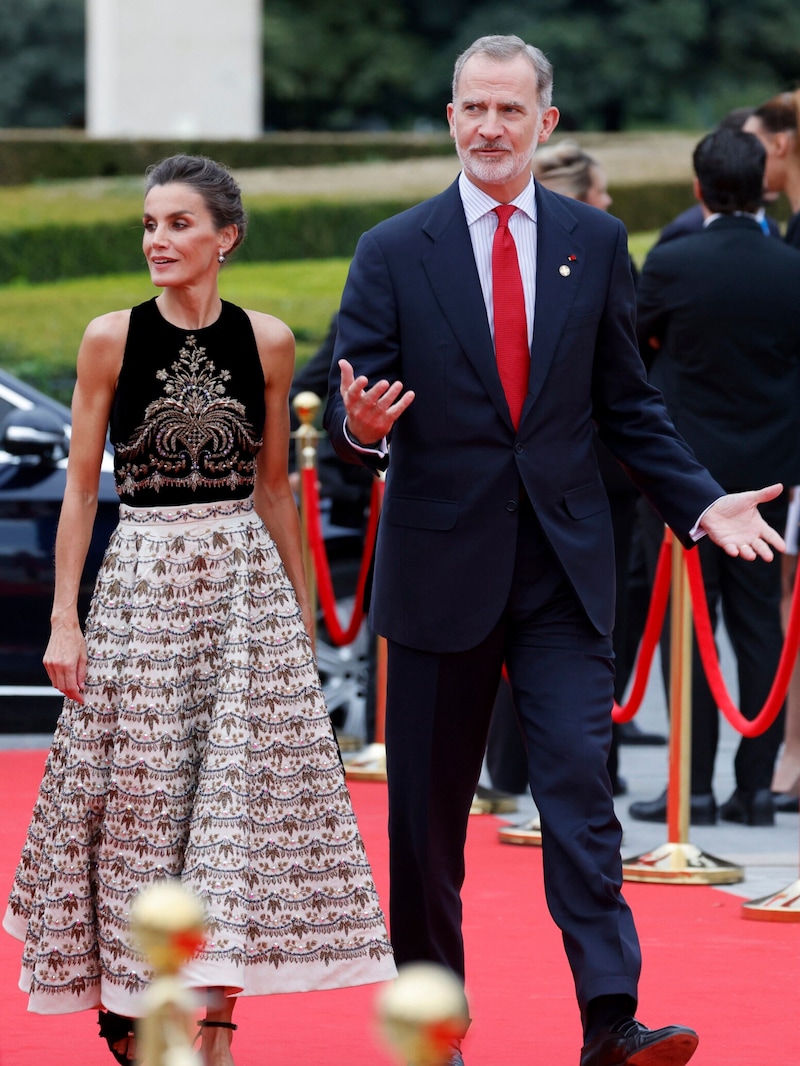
(564, 271)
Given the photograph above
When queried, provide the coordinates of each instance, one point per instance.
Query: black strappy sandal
(114, 1028)
(205, 1024)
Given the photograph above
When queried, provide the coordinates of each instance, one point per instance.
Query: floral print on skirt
(203, 751)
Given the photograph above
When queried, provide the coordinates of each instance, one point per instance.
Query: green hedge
(316, 230)
(27, 156)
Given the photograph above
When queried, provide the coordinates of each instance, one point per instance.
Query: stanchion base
(368, 765)
(783, 906)
(529, 833)
(349, 742)
(681, 864)
(492, 801)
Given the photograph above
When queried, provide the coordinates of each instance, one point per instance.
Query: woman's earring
(221, 258)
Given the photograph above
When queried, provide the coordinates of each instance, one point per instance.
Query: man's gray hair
(504, 48)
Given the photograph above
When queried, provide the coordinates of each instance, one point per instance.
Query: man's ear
(549, 122)
(781, 144)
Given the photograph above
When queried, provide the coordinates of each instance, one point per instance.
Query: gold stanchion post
(169, 925)
(306, 406)
(678, 861)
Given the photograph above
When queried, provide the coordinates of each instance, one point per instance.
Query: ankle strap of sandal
(204, 1024)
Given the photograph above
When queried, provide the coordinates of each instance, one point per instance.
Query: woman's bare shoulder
(110, 327)
(270, 330)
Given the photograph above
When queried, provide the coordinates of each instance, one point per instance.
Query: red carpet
(735, 981)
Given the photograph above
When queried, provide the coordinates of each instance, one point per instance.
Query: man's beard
(494, 170)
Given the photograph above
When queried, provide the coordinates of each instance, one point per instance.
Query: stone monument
(174, 69)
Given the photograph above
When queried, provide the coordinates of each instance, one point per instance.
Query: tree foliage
(336, 64)
(42, 63)
(344, 64)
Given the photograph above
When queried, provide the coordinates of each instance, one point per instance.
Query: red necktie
(510, 325)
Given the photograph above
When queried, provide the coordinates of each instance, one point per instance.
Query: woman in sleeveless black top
(194, 742)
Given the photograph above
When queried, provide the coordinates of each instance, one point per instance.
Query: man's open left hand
(735, 524)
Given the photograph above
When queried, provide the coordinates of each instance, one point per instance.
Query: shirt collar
(730, 214)
(478, 203)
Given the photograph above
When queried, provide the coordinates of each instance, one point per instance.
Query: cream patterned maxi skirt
(203, 751)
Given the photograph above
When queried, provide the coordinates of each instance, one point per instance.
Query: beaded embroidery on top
(193, 436)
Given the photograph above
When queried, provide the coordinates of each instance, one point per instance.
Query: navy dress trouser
(438, 711)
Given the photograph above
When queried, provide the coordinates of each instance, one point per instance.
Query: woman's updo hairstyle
(221, 194)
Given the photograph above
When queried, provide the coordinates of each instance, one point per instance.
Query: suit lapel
(560, 261)
(453, 276)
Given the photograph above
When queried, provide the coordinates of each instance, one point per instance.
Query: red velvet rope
(708, 654)
(652, 631)
(327, 599)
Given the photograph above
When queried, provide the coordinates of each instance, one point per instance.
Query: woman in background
(777, 125)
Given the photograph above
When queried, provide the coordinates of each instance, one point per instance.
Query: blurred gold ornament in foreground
(422, 1013)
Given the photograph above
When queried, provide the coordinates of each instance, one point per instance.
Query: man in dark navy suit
(495, 542)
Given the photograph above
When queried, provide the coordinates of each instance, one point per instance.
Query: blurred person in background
(691, 220)
(776, 123)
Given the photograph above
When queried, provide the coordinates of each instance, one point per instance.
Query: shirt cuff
(381, 448)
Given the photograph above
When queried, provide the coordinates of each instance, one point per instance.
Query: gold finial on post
(169, 925)
(306, 406)
(423, 1014)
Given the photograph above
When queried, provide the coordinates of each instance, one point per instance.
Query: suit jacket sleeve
(368, 322)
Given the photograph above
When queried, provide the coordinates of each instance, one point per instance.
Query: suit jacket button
(512, 505)
(518, 448)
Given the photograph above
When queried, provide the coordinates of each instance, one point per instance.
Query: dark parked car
(34, 444)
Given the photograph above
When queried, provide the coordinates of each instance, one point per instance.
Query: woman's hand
(65, 659)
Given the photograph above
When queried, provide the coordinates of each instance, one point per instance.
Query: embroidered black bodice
(188, 415)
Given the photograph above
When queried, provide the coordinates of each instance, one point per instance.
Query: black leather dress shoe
(629, 1043)
(749, 808)
(702, 809)
(785, 802)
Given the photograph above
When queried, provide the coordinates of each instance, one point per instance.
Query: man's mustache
(490, 146)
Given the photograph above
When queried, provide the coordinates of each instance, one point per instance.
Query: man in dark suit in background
(495, 542)
(717, 320)
(691, 220)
